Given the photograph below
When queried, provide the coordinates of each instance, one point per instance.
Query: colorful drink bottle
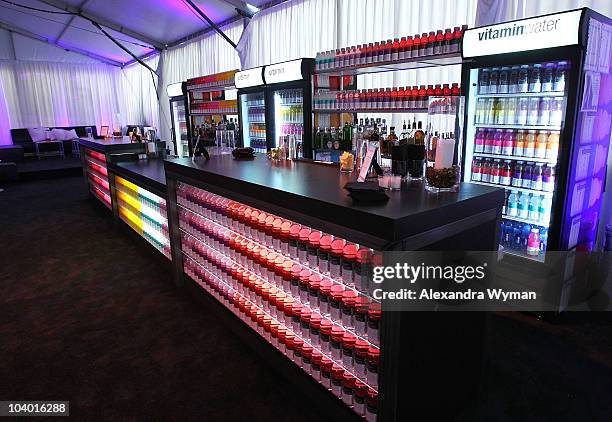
(548, 179)
(508, 142)
(519, 143)
(541, 142)
(506, 175)
(527, 174)
(517, 174)
(479, 140)
(533, 243)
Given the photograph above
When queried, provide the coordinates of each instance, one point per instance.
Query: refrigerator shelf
(373, 110)
(526, 220)
(539, 258)
(391, 66)
(212, 113)
(523, 94)
(524, 190)
(516, 158)
(212, 88)
(517, 126)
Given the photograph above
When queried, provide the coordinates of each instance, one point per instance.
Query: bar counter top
(147, 173)
(316, 193)
(120, 143)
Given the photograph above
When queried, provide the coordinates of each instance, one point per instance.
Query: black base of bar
(332, 408)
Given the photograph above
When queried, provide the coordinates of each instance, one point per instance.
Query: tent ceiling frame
(58, 4)
(80, 7)
(26, 33)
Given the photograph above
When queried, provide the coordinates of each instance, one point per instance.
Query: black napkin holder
(366, 192)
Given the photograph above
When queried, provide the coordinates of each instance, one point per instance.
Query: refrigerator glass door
(253, 109)
(180, 128)
(289, 118)
(515, 120)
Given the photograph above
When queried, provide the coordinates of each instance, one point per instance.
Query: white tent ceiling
(142, 26)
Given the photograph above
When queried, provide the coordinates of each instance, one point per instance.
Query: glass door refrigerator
(537, 123)
(290, 90)
(252, 114)
(177, 95)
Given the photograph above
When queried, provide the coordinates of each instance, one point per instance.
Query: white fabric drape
(207, 55)
(301, 28)
(138, 104)
(57, 94)
(494, 11)
(62, 94)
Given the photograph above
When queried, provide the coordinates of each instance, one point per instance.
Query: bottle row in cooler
(215, 107)
(291, 114)
(292, 129)
(532, 111)
(257, 130)
(259, 144)
(533, 176)
(409, 47)
(547, 77)
(211, 81)
(257, 116)
(256, 102)
(527, 206)
(524, 238)
(410, 97)
(314, 344)
(540, 144)
(332, 257)
(290, 97)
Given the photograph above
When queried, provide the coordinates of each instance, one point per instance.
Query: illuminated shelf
(540, 258)
(527, 221)
(516, 158)
(523, 94)
(518, 126)
(524, 190)
(372, 110)
(389, 66)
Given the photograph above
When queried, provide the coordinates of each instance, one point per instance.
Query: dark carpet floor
(90, 316)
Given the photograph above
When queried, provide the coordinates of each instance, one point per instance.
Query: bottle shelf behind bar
(374, 110)
(389, 66)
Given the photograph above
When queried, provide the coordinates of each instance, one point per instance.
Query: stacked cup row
(348, 369)
(342, 305)
(332, 257)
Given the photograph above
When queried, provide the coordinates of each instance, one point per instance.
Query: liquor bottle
(347, 136)
(392, 139)
(403, 139)
(419, 134)
(327, 142)
(318, 140)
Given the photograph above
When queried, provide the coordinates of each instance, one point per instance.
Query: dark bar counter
(314, 194)
(149, 174)
(115, 145)
(427, 364)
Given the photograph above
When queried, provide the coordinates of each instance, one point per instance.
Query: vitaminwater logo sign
(250, 77)
(530, 34)
(284, 72)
